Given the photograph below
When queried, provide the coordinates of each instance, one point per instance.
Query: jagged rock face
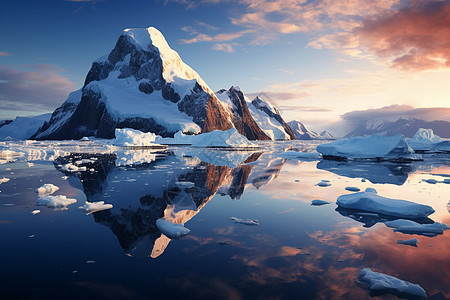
(303, 133)
(141, 70)
(259, 104)
(242, 119)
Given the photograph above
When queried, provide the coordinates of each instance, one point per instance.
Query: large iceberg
(424, 140)
(128, 137)
(383, 283)
(368, 147)
(371, 202)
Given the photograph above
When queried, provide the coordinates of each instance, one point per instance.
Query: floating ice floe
(411, 227)
(84, 138)
(319, 202)
(301, 155)
(128, 137)
(30, 164)
(385, 283)
(324, 183)
(46, 189)
(4, 180)
(59, 201)
(215, 139)
(91, 207)
(443, 146)
(245, 222)
(368, 147)
(432, 181)
(411, 242)
(72, 168)
(9, 156)
(35, 212)
(352, 189)
(371, 202)
(185, 184)
(171, 230)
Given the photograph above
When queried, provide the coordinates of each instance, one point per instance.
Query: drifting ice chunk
(423, 140)
(59, 201)
(324, 183)
(91, 207)
(384, 283)
(371, 202)
(130, 137)
(46, 189)
(245, 222)
(3, 180)
(35, 212)
(411, 227)
(171, 230)
(368, 147)
(319, 202)
(185, 184)
(352, 189)
(431, 181)
(411, 242)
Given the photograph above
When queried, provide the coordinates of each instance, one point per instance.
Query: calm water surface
(298, 250)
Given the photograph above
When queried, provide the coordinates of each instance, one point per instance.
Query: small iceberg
(46, 189)
(35, 212)
(59, 201)
(411, 242)
(249, 222)
(368, 147)
(91, 207)
(411, 227)
(127, 137)
(324, 183)
(4, 180)
(382, 283)
(424, 140)
(319, 202)
(171, 230)
(370, 201)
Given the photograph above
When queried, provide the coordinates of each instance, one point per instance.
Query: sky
(320, 62)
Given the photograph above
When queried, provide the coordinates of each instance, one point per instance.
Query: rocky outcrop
(242, 118)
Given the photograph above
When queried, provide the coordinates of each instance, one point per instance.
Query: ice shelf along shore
(368, 147)
(372, 202)
(380, 282)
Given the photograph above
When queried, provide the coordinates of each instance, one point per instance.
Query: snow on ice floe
(91, 207)
(72, 168)
(301, 155)
(215, 139)
(9, 156)
(46, 189)
(368, 147)
(128, 137)
(171, 230)
(35, 212)
(380, 282)
(371, 202)
(319, 202)
(411, 227)
(410, 242)
(249, 222)
(58, 202)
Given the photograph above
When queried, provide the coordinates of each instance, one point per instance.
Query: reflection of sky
(298, 249)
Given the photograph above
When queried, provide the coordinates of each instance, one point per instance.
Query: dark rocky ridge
(90, 116)
(258, 103)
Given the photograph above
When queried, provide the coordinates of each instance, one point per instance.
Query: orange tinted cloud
(415, 37)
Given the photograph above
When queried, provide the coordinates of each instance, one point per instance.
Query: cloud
(5, 54)
(223, 47)
(202, 37)
(416, 37)
(32, 88)
(395, 112)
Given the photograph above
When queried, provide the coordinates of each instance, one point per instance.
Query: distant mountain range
(407, 127)
(143, 84)
(303, 133)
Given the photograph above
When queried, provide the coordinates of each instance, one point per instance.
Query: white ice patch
(130, 137)
(46, 189)
(58, 202)
(73, 168)
(382, 282)
(4, 180)
(249, 222)
(171, 230)
(371, 202)
(91, 207)
(369, 147)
